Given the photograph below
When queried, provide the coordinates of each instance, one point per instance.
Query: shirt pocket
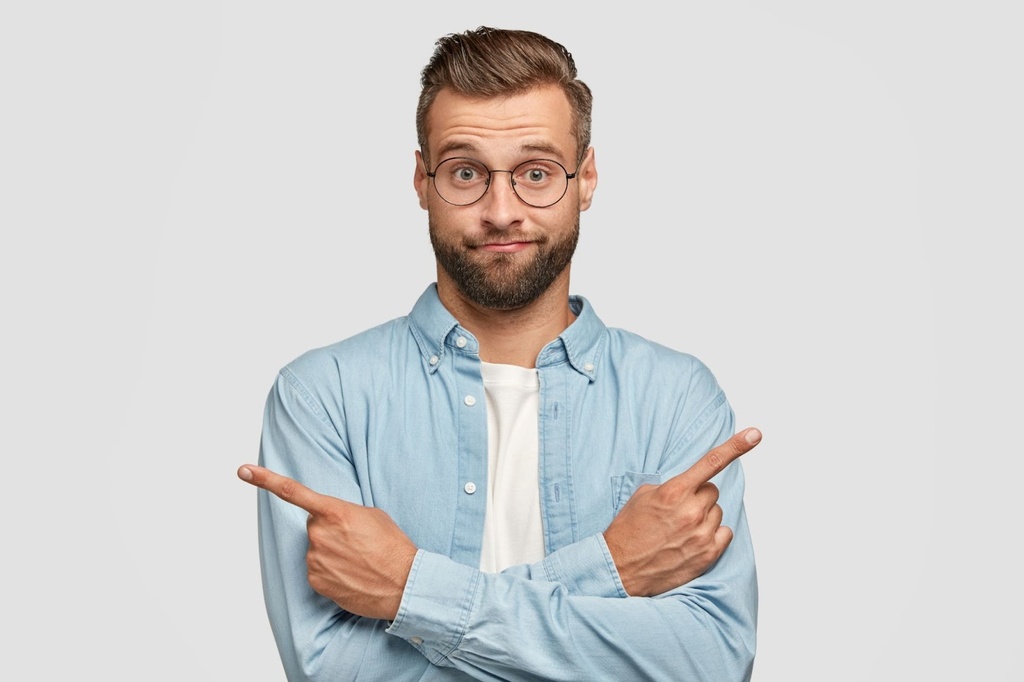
(625, 485)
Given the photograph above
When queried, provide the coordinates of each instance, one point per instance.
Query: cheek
(558, 220)
(446, 223)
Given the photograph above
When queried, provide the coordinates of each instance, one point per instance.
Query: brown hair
(490, 62)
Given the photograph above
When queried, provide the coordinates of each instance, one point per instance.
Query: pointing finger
(287, 489)
(716, 459)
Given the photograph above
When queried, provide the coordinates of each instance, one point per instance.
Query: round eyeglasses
(540, 183)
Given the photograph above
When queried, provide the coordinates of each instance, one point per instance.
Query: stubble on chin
(503, 281)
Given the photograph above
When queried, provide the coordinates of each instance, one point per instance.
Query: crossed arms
(567, 617)
(665, 536)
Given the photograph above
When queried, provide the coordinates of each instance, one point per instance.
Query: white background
(820, 200)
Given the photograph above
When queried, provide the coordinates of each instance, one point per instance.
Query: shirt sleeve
(584, 568)
(505, 626)
(316, 639)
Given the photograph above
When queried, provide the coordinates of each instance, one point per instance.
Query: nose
(501, 207)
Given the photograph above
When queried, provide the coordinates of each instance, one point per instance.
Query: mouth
(504, 247)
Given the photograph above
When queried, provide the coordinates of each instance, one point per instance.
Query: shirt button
(416, 640)
(461, 342)
(470, 488)
(433, 359)
(469, 400)
(589, 367)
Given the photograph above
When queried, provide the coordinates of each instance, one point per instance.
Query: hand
(666, 535)
(358, 557)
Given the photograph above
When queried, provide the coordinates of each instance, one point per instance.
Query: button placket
(471, 466)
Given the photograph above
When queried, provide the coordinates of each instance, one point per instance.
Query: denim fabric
(395, 418)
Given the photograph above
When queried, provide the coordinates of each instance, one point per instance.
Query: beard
(499, 281)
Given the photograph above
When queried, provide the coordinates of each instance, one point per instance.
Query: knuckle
(665, 493)
(715, 461)
(709, 544)
(316, 583)
(287, 489)
(691, 516)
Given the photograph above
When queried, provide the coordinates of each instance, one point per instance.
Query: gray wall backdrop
(820, 200)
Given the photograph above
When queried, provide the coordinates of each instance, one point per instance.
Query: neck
(512, 337)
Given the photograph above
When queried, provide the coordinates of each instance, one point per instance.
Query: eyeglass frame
(490, 174)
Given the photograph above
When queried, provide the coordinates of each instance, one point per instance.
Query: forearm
(507, 625)
(527, 625)
(510, 628)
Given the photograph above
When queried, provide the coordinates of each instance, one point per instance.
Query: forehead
(532, 121)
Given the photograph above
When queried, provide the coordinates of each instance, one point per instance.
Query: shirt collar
(434, 329)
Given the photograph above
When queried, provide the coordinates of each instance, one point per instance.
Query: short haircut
(490, 62)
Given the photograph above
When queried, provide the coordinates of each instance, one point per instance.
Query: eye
(536, 173)
(465, 171)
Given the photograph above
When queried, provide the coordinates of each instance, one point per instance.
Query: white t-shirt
(513, 533)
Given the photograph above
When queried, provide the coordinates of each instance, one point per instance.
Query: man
(506, 488)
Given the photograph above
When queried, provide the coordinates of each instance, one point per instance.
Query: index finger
(716, 459)
(287, 489)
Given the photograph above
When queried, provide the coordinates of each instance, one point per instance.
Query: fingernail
(753, 436)
(245, 473)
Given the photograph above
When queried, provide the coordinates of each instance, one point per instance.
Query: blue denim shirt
(395, 418)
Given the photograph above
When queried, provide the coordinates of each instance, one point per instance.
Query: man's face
(499, 252)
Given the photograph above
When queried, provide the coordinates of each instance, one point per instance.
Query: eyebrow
(456, 146)
(467, 147)
(541, 148)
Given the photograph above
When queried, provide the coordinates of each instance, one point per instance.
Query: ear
(420, 180)
(586, 177)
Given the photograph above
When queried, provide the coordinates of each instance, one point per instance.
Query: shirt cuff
(585, 568)
(436, 605)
